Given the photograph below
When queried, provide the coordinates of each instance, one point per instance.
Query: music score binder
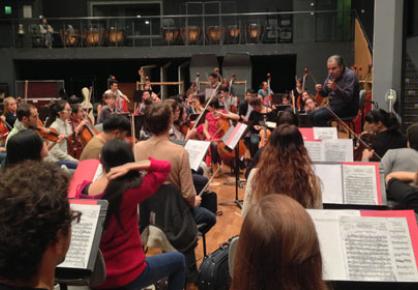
(368, 245)
(85, 239)
(351, 183)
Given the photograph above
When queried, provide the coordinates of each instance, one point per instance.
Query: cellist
(212, 130)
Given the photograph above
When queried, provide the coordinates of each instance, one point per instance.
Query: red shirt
(122, 247)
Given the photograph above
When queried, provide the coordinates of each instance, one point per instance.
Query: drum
(254, 32)
(115, 36)
(215, 34)
(233, 33)
(191, 34)
(171, 34)
(93, 37)
(70, 37)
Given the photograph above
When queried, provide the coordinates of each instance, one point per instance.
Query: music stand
(231, 140)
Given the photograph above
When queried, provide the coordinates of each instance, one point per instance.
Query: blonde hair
(6, 103)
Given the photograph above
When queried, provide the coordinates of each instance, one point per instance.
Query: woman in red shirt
(124, 188)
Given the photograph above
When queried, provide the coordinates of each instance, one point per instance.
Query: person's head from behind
(10, 105)
(116, 153)
(28, 115)
(257, 104)
(378, 121)
(117, 127)
(287, 117)
(278, 248)
(159, 118)
(175, 108)
(412, 136)
(25, 145)
(335, 65)
(285, 167)
(35, 223)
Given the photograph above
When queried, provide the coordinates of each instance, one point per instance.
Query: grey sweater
(403, 159)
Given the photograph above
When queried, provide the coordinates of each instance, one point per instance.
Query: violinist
(226, 100)
(9, 113)
(256, 120)
(59, 115)
(387, 135)
(197, 102)
(342, 89)
(27, 117)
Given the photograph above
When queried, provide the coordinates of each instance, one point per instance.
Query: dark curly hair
(33, 209)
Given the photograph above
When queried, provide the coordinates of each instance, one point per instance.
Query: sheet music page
(325, 133)
(359, 184)
(314, 149)
(338, 150)
(237, 133)
(82, 236)
(330, 176)
(328, 231)
(377, 249)
(197, 151)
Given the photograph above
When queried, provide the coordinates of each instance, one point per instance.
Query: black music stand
(231, 143)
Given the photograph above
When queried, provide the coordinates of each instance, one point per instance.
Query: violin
(49, 134)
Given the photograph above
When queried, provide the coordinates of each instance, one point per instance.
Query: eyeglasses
(75, 216)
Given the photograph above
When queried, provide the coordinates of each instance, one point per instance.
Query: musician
(121, 99)
(211, 129)
(284, 156)
(386, 128)
(310, 105)
(257, 117)
(35, 222)
(27, 117)
(403, 159)
(46, 31)
(78, 120)
(245, 108)
(158, 121)
(9, 113)
(109, 108)
(115, 127)
(25, 145)
(197, 104)
(59, 115)
(297, 92)
(342, 89)
(226, 100)
(265, 92)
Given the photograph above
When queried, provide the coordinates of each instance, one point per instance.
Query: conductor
(342, 89)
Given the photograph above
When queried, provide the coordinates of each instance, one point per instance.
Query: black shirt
(7, 287)
(390, 139)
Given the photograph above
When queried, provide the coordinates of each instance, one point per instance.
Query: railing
(209, 29)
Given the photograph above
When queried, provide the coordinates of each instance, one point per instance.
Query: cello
(227, 155)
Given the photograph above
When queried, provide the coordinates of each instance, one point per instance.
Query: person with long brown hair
(285, 167)
(278, 248)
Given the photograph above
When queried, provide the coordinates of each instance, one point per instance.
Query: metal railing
(209, 29)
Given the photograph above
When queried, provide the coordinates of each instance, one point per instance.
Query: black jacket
(172, 215)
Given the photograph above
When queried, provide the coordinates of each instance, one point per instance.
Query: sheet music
(314, 149)
(324, 133)
(359, 184)
(330, 176)
(358, 248)
(197, 151)
(82, 237)
(237, 133)
(377, 249)
(338, 150)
